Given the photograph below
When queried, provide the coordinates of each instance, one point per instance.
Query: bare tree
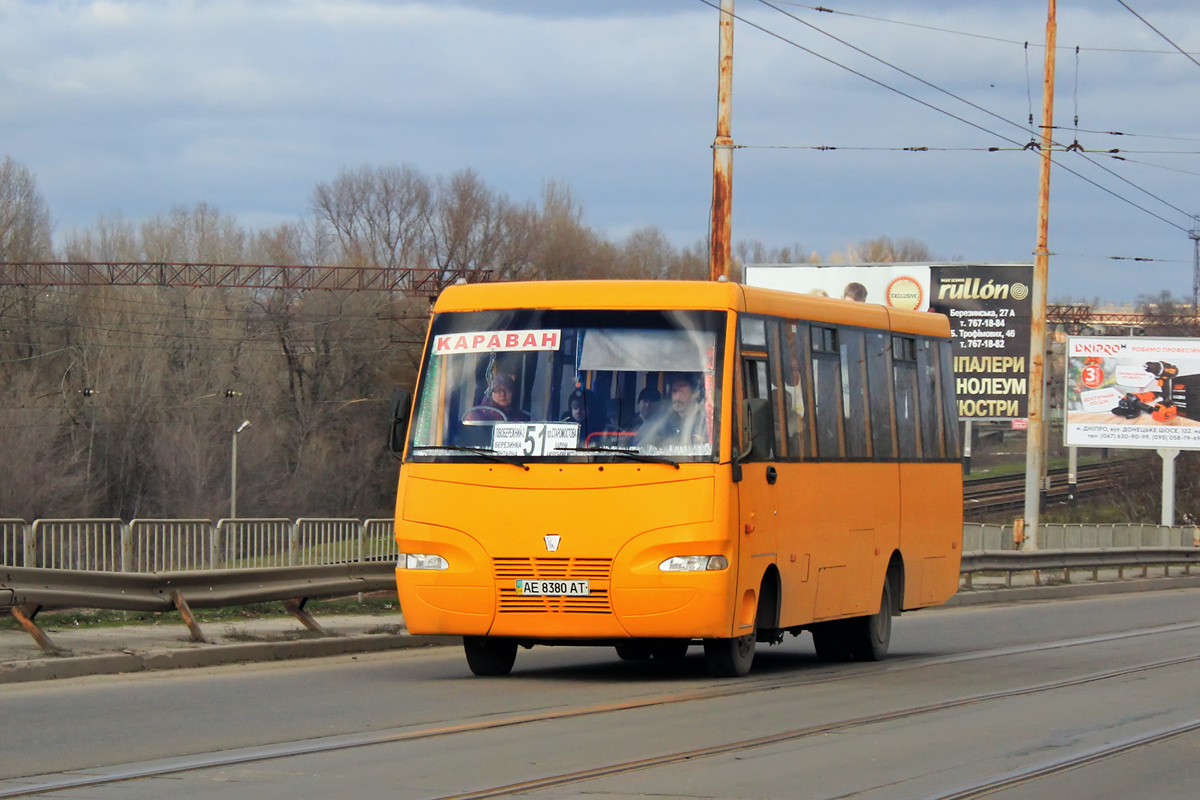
(564, 248)
(24, 217)
(883, 249)
(646, 253)
(1167, 316)
(378, 215)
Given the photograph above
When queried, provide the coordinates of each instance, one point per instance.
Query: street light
(233, 471)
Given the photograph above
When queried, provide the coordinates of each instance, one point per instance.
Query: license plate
(529, 586)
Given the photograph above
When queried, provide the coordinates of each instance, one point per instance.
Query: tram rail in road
(96, 778)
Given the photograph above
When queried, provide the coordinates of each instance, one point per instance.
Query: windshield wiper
(487, 452)
(630, 454)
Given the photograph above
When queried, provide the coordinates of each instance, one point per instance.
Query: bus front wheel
(634, 651)
(487, 656)
(729, 658)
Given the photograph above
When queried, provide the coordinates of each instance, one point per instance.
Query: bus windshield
(525, 385)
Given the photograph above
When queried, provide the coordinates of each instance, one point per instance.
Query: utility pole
(719, 244)
(1036, 436)
(233, 470)
(1194, 235)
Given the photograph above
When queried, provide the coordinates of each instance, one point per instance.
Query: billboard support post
(1168, 455)
(1072, 473)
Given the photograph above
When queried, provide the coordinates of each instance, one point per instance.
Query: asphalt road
(1083, 698)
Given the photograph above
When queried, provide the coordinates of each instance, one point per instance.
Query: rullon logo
(979, 289)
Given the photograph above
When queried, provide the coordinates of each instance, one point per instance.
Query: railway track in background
(984, 496)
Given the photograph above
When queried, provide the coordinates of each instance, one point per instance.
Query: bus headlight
(694, 564)
(421, 561)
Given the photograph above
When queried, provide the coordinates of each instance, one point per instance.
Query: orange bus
(655, 465)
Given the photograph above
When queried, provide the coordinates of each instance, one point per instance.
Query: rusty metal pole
(1036, 436)
(719, 245)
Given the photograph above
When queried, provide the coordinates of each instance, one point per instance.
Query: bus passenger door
(758, 506)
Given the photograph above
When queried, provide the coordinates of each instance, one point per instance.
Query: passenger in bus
(685, 422)
(587, 410)
(649, 400)
(501, 396)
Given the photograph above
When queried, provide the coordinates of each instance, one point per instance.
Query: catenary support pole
(1036, 436)
(719, 245)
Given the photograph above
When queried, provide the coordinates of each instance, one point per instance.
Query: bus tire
(670, 649)
(487, 656)
(870, 636)
(634, 651)
(729, 658)
(831, 642)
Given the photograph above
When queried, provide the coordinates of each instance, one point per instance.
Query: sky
(133, 107)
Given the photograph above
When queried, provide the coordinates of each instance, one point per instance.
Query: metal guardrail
(26, 591)
(172, 545)
(1064, 561)
(54, 588)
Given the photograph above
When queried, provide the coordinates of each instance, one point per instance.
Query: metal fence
(170, 545)
(981, 537)
(173, 545)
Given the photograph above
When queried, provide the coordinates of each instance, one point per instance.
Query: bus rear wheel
(729, 658)
(486, 656)
(870, 636)
(831, 642)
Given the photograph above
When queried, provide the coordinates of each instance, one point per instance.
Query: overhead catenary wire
(1162, 35)
(1031, 145)
(951, 31)
(1024, 129)
(1074, 146)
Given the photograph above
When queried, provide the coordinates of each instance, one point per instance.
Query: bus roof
(716, 295)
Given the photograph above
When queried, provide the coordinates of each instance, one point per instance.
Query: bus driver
(501, 397)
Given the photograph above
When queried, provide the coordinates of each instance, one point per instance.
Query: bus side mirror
(759, 430)
(398, 427)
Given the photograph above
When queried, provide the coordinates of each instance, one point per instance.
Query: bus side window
(904, 372)
(883, 435)
(854, 392)
(827, 392)
(929, 399)
(794, 360)
(754, 379)
(779, 399)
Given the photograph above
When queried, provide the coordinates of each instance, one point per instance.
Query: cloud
(137, 105)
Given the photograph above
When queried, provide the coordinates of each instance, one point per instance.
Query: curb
(1066, 591)
(114, 663)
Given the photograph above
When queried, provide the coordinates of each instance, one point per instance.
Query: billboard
(990, 307)
(1132, 392)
